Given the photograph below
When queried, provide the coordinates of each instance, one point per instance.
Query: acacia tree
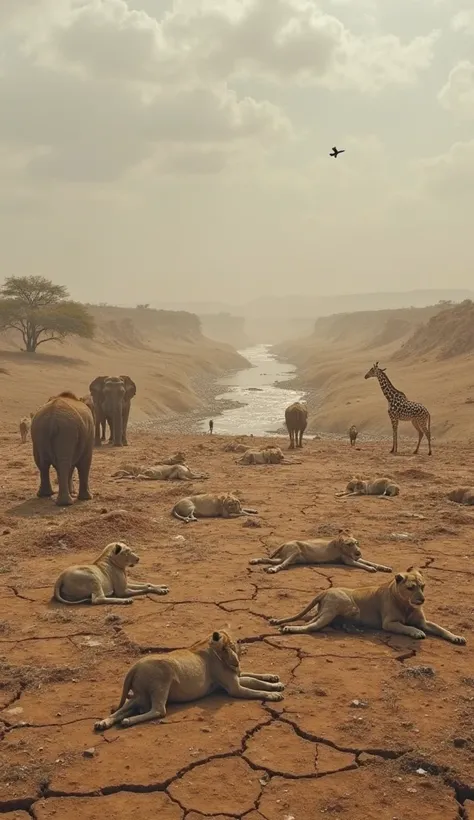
(41, 311)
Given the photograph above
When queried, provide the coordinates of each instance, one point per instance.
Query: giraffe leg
(394, 449)
(418, 428)
(426, 430)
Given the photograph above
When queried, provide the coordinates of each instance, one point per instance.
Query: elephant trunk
(117, 426)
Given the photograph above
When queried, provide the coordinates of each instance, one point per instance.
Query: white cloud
(457, 95)
(450, 177)
(464, 21)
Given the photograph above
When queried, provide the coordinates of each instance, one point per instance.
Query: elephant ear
(130, 387)
(97, 385)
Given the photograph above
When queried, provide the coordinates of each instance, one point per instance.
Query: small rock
(421, 771)
(178, 538)
(252, 522)
(400, 536)
(459, 742)
(419, 671)
(407, 514)
(89, 752)
(6, 531)
(359, 704)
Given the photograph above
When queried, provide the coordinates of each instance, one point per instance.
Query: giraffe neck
(386, 386)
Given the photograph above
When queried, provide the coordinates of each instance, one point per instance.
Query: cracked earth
(408, 738)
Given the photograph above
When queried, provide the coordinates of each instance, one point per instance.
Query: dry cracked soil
(372, 725)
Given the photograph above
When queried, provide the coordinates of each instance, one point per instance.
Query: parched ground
(372, 727)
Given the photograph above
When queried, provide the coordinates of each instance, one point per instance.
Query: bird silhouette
(335, 152)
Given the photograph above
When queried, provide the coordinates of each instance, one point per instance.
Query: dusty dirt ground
(372, 726)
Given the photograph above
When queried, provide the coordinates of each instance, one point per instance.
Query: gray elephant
(112, 396)
(62, 433)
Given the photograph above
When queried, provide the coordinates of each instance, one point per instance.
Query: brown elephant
(62, 432)
(296, 417)
(112, 396)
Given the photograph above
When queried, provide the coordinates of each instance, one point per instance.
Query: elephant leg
(71, 483)
(64, 498)
(45, 488)
(83, 469)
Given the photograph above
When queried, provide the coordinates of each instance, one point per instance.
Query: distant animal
(25, 424)
(105, 581)
(296, 418)
(400, 409)
(383, 487)
(62, 433)
(271, 455)
(112, 396)
(343, 549)
(211, 426)
(395, 606)
(161, 472)
(209, 505)
(462, 495)
(353, 433)
(335, 152)
(185, 675)
(235, 447)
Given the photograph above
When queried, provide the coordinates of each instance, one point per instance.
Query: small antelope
(353, 433)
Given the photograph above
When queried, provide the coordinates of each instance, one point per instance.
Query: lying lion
(395, 606)
(462, 495)
(105, 581)
(162, 472)
(344, 549)
(382, 487)
(185, 675)
(270, 455)
(209, 505)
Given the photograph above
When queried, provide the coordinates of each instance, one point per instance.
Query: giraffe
(400, 409)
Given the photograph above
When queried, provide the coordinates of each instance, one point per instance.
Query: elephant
(62, 433)
(296, 418)
(112, 396)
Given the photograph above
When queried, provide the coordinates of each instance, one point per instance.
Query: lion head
(409, 587)
(230, 503)
(227, 650)
(120, 555)
(356, 485)
(348, 544)
(275, 455)
(178, 458)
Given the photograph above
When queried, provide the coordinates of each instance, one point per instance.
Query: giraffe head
(374, 371)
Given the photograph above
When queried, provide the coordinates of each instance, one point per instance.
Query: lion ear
(410, 569)
(216, 636)
(399, 577)
(117, 549)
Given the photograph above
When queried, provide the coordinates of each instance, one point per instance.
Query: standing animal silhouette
(400, 409)
(211, 426)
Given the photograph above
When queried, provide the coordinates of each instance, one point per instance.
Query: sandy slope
(334, 368)
(362, 712)
(161, 357)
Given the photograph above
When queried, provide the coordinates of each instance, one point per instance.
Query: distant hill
(449, 333)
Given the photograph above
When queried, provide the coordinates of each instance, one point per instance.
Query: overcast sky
(152, 149)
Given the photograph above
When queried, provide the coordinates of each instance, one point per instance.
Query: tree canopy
(41, 311)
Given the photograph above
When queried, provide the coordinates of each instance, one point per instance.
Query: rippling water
(265, 404)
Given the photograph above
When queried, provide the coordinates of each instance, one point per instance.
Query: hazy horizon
(151, 150)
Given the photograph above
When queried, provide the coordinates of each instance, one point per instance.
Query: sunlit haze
(168, 152)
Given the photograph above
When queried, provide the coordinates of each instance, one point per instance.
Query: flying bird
(335, 152)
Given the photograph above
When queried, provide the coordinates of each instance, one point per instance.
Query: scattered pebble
(419, 671)
(89, 752)
(421, 771)
(252, 522)
(400, 536)
(359, 704)
(407, 514)
(178, 538)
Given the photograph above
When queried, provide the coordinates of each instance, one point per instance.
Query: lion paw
(271, 569)
(418, 634)
(459, 640)
(273, 696)
(100, 725)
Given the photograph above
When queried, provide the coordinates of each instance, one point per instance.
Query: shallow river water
(264, 410)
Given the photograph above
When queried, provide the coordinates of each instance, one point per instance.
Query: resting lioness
(395, 606)
(270, 455)
(162, 472)
(462, 495)
(209, 505)
(105, 581)
(188, 674)
(383, 487)
(344, 549)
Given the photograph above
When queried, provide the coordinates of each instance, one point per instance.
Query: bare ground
(406, 746)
